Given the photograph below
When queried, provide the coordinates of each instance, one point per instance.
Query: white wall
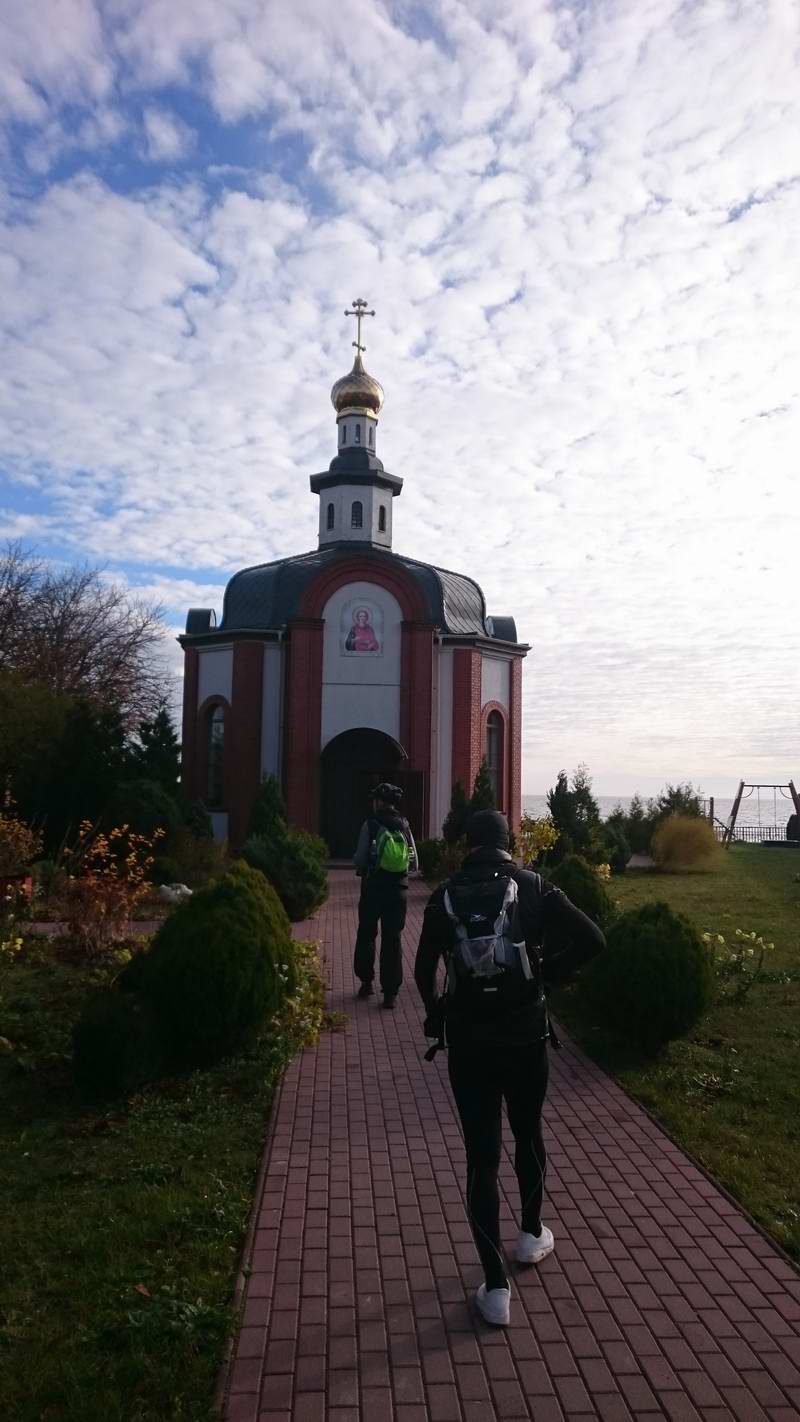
(343, 496)
(496, 681)
(215, 673)
(271, 710)
(442, 733)
(361, 688)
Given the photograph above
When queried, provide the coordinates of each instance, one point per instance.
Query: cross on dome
(359, 311)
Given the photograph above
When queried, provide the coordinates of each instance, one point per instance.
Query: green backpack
(392, 852)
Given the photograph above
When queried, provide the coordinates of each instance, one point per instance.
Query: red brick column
(467, 752)
(515, 746)
(191, 671)
(416, 702)
(303, 722)
(243, 740)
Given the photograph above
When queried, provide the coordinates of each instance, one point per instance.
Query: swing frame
(727, 837)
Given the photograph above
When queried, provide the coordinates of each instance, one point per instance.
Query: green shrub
(684, 842)
(294, 867)
(116, 1044)
(198, 860)
(616, 847)
(268, 816)
(165, 870)
(144, 806)
(430, 854)
(218, 967)
(196, 819)
(655, 979)
(455, 825)
(584, 887)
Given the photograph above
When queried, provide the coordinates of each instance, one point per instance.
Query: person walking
(505, 935)
(384, 856)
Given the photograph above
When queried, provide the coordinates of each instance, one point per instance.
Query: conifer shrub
(655, 978)
(293, 865)
(483, 790)
(684, 842)
(584, 887)
(455, 825)
(218, 967)
(269, 815)
(165, 870)
(116, 1044)
(617, 847)
(430, 857)
(144, 806)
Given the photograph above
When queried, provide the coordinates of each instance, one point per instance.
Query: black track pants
(481, 1078)
(381, 906)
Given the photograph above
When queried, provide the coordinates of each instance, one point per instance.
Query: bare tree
(72, 631)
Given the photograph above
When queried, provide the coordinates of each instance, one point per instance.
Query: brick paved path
(661, 1300)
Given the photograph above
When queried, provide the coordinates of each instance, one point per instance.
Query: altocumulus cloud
(577, 225)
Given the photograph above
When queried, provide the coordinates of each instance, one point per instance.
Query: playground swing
(745, 791)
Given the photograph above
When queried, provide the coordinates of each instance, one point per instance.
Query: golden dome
(357, 390)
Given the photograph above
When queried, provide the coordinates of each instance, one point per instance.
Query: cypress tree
(454, 827)
(483, 790)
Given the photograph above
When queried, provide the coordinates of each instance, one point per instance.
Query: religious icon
(361, 637)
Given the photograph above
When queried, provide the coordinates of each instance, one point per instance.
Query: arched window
(357, 513)
(330, 517)
(215, 758)
(494, 755)
(344, 434)
(358, 434)
(371, 433)
(382, 519)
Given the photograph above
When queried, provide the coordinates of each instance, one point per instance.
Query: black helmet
(389, 794)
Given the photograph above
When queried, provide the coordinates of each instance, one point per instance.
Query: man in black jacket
(497, 1040)
(384, 896)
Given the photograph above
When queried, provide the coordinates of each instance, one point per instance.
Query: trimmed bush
(218, 967)
(684, 842)
(116, 1044)
(655, 979)
(584, 888)
(430, 854)
(292, 864)
(196, 819)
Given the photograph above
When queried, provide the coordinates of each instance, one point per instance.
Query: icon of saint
(361, 637)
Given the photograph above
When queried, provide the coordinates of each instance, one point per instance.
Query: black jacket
(557, 934)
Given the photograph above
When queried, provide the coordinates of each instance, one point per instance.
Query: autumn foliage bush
(684, 842)
(107, 876)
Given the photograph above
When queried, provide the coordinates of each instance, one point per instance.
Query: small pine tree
(454, 827)
(268, 817)
(483, 790)
(156, 755)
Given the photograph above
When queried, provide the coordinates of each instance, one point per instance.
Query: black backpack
(488, 969)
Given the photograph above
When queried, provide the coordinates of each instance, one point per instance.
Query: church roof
(267, 597)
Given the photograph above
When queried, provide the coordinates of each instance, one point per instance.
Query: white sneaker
(494, 1305)
(531, 1248)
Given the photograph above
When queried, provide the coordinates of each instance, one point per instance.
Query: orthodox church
(351, 664)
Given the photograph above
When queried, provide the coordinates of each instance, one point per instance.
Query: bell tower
(356, 493)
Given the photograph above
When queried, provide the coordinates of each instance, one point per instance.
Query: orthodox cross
(359, 311)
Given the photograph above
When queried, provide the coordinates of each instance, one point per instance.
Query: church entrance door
(353, 763)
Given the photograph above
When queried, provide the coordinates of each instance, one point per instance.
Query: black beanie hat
(487, 829)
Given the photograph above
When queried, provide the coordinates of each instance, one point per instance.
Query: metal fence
(752, 834)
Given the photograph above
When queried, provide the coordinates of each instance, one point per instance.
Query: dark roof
(268, 596)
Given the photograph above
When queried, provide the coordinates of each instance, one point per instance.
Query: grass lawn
(729, 1092)
(121, 1228)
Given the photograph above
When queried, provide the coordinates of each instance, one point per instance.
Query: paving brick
(359, 1304)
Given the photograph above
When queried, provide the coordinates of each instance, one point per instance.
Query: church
(352, 664)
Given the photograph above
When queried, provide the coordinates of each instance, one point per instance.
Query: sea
(750, 813)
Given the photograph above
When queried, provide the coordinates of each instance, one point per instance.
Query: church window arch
(330, 517)
(344, 434)
(357, 515)
(215, 757)
(371, 434)
(494, 754)
(382, 519)
(358, 434)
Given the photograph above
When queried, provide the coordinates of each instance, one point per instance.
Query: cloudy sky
(578, 223)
